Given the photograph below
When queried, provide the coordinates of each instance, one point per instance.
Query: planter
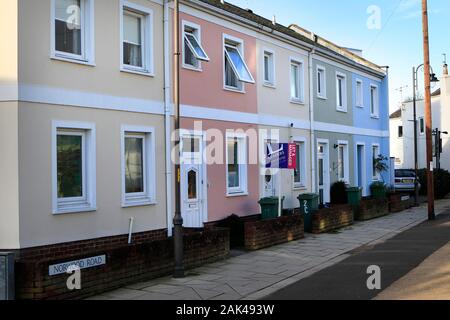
(399, 202)
(266, 233)
(371, 208)
(329, 219)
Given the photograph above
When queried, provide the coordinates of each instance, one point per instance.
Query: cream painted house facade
(78, 101)
(284, 102)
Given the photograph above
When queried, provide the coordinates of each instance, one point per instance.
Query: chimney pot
(445, 72)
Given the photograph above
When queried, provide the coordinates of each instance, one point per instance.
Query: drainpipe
(311, 119)
(168, 119)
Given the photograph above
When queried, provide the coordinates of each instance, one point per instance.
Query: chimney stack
(445, 72)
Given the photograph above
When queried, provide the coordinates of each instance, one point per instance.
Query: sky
(396, 41)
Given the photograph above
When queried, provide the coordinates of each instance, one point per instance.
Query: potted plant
(378, 188)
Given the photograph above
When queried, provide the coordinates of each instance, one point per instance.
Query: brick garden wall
(371, 209)
(266, 233)
(329, 219)
(400, 202)
(125, 264)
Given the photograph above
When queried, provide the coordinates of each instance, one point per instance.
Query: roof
(396, 114)
(436, 93)
(304, 35)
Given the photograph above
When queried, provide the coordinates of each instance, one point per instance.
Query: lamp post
(416, 153)
(178, 219)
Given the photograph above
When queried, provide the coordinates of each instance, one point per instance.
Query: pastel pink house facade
(206, 100)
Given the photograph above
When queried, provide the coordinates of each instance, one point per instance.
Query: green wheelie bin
(309, 204)
(354, 195)
(269, 207)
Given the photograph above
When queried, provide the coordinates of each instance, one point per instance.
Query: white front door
(193, 191)
(361, 167)
(323, 173)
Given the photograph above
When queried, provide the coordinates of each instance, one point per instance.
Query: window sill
(192, 68)
(235, 195)
(375, 117)
(138, 72)
(299, 102)
(138, 203)
(71, 210)
(322, 97)
(72, 60)
(231, 89)
(269, 85)
(360, 107)
(341, 110)
(299, 188)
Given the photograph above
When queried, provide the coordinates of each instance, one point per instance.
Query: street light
(178, 219)
(416, 153)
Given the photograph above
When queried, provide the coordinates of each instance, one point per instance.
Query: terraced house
(86, 118)
(350, 116)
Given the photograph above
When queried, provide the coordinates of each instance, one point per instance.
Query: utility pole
(178, 219)
(416, 152)
(428, 118)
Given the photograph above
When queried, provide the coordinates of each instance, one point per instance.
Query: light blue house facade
(371, 122)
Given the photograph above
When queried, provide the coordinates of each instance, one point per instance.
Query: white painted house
(402, 127)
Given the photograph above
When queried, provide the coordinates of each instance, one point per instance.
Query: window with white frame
(236, 71)
(375, 155)
(136, 38)
(236, 154)
(421, 125)
(400, 131)
(341, 92)
(321, 82)
(73, 167)
(193, 52)
(374, 102)
(297, 88)
(359, 94)
(343, 161)
(269, 68)
(138, 166)
(300, 167)
(72, 30)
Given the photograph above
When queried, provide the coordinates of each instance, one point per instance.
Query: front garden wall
(370, 209)
(266, 233)
(329, 219)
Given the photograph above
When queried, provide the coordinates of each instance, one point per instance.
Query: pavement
(266, 273)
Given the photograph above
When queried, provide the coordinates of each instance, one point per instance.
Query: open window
(236, 70)
(193, 52)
